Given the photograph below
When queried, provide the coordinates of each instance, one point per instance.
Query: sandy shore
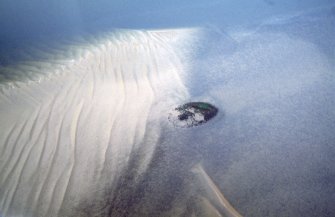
(72, 134)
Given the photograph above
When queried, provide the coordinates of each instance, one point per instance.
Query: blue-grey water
(86, 88)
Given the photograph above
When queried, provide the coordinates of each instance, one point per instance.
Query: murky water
(85, 101)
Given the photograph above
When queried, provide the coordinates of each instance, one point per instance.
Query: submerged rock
(192, 114)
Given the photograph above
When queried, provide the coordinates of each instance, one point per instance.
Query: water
(86, 89)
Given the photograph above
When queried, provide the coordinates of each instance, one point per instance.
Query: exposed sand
(71, 135)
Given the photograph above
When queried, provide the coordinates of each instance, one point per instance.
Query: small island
(192, 114)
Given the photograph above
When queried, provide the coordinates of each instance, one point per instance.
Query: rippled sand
(73, 133)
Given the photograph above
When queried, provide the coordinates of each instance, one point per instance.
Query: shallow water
(84, 109)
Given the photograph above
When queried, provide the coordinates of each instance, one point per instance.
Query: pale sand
(70, 135)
